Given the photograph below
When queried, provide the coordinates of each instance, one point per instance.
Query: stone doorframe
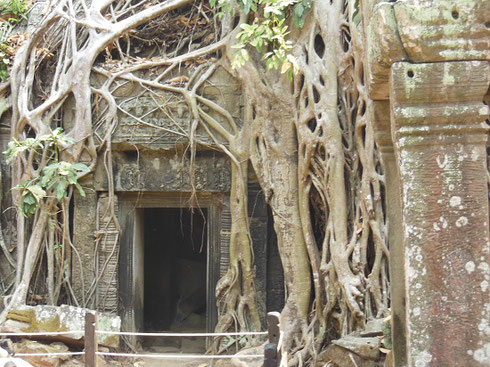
(131, 280)
(427, 74)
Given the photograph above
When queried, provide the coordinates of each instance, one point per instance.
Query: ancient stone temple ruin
(161, 273)
(151, 235)
(159, 270)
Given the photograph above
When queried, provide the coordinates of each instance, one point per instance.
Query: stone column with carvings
(380, 117)
(83, 256)
(439, 132)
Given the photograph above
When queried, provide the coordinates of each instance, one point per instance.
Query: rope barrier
(90, 339)
(181, 356)
(48, 354)
(43, 333)
(128, 333)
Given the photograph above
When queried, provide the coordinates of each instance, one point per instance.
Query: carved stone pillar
(440, 136)
(380, 117)
(84, 259)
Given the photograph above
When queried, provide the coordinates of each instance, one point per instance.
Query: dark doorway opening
(175, 275)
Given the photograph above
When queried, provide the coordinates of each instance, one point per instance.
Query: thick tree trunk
(235, 292)
(274, 158)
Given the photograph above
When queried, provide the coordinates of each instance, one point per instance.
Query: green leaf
(37, 192)
(29, 198)
(64, 168)
(247, 6)
(245, 54)
(272, 9)
(28, 204)
(61, 190)
(81, 167)
(80, 189)
(307, 3)
(286, 65)
(48, 174)
(72, 179)
(267, 55)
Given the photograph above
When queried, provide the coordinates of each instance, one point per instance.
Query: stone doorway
(169, 265)
(175, 263)
(175, 276)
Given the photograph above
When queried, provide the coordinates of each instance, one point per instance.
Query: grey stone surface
(352, 351)
(444, 30)
(84, 259)
(161, 121)
(7, 217)
(438, 122)
(367, 348)
(258, 231)
(275, 273)
(373, 327)
(35, 14)
(421, 31)
(169, 172)
(61, 318)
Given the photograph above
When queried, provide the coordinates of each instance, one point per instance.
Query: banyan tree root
(308, 140)
(314, 154)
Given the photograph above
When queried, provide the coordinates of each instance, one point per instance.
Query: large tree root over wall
(308, 140)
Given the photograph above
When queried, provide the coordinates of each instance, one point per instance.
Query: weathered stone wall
(439, 131)
(168, 171)
(161, 120)
(151, 167)
(421, 67)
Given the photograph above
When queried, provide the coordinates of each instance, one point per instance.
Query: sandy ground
(185, 346)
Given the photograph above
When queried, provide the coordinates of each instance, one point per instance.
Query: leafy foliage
(17, 8)
(12, 12)
(300, 10)
(6, 50)
(268, 31)
(54, 178)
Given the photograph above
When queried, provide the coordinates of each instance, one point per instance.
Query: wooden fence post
(91, 339)
(272, 356)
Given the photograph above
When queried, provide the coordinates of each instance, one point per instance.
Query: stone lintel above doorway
(160, 171)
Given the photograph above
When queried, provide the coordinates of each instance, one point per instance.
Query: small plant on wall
(53, 176)
(43, 194)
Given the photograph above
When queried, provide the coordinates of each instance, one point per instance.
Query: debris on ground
(31, 346)
(44, 318)
(358, 349)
